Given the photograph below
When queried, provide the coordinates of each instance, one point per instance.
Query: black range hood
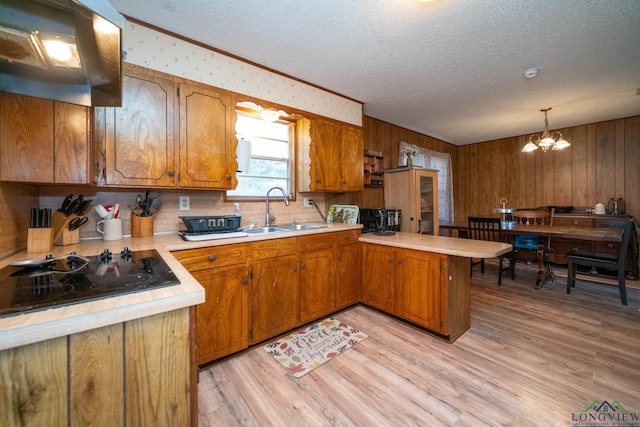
(94, 26)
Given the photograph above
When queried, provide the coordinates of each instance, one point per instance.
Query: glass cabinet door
(427, 192)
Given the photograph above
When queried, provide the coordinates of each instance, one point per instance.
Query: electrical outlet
(306, 201)
(185, 203)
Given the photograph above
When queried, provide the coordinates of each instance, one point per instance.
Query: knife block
(62, 235)
(39, 240)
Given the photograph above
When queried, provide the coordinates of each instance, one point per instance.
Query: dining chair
(490, 229)
(526, 246)
(600, 260)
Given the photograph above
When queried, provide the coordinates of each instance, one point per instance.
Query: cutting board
(346, 214)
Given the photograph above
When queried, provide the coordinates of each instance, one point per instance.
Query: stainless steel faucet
(268, 217)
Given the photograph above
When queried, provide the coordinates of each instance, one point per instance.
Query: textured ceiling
(452, 70)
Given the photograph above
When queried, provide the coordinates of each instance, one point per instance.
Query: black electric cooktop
(40, 284)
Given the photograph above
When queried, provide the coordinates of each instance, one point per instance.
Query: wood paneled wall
(602, 162)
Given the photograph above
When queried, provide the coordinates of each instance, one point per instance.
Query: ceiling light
(547, 140)
(269, 114)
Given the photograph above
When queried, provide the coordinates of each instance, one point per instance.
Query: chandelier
(547, 140)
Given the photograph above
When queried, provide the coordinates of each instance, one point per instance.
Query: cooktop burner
(33, 285)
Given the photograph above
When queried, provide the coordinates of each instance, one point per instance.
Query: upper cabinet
(207, 138)
(164, 123)
(43, 141)
(331, 159)
(136, 142)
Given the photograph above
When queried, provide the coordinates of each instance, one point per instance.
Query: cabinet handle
(212, 258)
(228, 177)
(245, 280)
(339, 257)
(399, 261)
(172, 173)
(317, 180)
(390, 259)
(575, 222)
(295, 268)
(348, 238)
(610, 245)
(302, 266)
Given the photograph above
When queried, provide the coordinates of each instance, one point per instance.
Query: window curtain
(434, 160)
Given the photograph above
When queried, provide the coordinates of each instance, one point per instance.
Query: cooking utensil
(77, 222)
(101, 211)
(155, 205)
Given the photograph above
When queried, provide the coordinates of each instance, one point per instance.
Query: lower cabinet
(275, 288)
(420, 288)
(222, 321)
(430, 290)
(317, 276)
(348, 268)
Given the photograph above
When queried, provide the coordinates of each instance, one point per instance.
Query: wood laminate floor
(531, 358)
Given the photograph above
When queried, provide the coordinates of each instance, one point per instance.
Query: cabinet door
(348, 276)
(420, 295)
(378, 276)
(72, 142)
(326, 156)
(426, 200)
(140, 136)
(275, 297)
(352, 158)
(26, 138)
(43, 141)
(317, 284)
(222, 321)
(207, 139)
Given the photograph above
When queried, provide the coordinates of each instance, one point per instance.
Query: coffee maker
(380, 220)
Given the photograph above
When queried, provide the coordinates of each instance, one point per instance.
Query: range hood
(92, 32)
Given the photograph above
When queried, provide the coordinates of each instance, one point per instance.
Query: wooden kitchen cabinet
(136, 143)
(414, 190)
(275, 282)
(207, 138)
(427, 289)
(317, 276)
(420, 286)
(378, 277)
(222, 321)
(331, 160)
(43, 141)
(348, 268)
(168, 133)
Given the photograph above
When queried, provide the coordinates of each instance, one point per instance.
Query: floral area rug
(305, 350)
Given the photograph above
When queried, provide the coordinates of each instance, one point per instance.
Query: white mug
(111, 228)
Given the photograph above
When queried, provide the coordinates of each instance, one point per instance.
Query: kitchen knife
(65, 204)
(83, 207)
(33, 219)
(73, 205)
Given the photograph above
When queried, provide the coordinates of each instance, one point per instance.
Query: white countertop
(27, 328)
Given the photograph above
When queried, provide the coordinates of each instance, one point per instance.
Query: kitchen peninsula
(72, 362)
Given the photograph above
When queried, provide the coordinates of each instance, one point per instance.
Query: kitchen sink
(265, 230)
(298, 227)
(283, 228)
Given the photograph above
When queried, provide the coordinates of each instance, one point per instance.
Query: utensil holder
(39, 240)
(62, 235)
(141, 226)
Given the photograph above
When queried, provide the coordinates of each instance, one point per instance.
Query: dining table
(545, 273)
